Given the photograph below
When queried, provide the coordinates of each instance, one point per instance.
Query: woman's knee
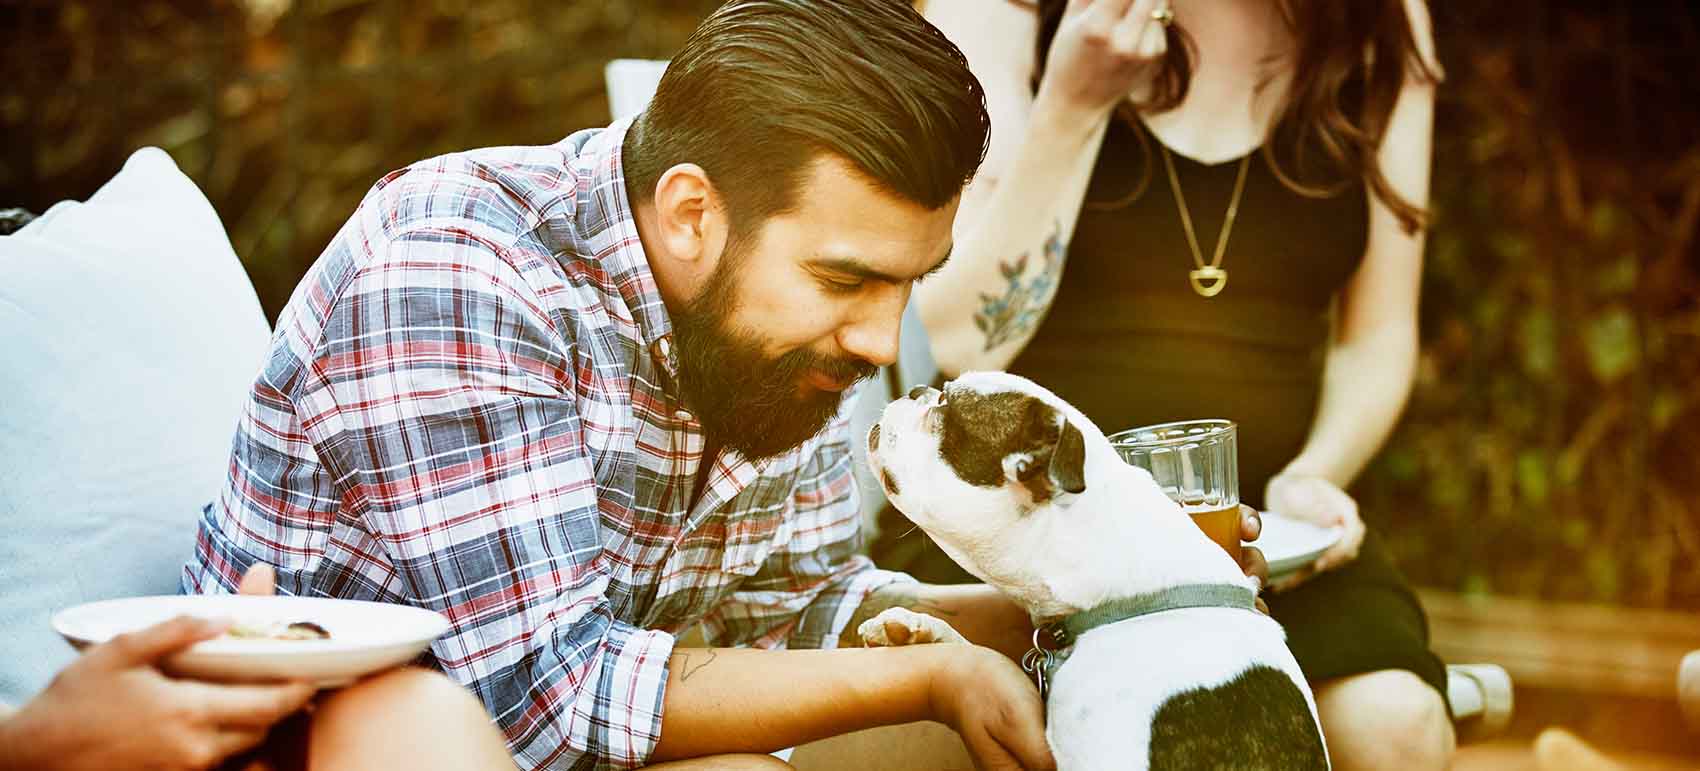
(1392, 716)
(409, 691)
(410, 718)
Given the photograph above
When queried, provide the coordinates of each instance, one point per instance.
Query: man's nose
(874, 335)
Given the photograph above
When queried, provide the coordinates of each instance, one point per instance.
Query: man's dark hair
(763, 86)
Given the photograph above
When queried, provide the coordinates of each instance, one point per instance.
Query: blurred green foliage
(286, 111)
(1550, 447)
(1552, 443)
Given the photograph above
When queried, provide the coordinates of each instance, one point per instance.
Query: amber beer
(1196, 462)
(1221, 524)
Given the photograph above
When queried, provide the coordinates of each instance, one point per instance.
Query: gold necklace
(1207, 280)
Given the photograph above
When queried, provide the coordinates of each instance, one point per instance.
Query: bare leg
(407, 718)
(1384, 720)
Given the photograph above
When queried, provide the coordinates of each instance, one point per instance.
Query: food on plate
(277, 630)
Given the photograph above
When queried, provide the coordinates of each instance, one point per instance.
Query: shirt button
(683, 415)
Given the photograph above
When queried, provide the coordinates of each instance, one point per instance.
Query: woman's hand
(1252, 562)
(114, 708)
(1103, 49)
(1320, 502)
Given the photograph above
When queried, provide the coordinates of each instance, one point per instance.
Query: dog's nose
(919, 391)
(874, 438)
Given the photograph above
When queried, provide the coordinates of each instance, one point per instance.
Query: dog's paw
(902, 626)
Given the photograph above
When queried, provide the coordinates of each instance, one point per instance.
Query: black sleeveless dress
(1129, 342)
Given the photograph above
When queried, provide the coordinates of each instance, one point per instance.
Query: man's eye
(843, 287)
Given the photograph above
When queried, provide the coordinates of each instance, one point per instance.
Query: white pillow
(129, 334)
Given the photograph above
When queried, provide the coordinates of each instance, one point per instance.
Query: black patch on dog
(1259, 719)
(1068, 460)
(979, 430)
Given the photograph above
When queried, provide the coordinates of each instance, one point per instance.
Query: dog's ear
(1068, 459)
(1054, 454)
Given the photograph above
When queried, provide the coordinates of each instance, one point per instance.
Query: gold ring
(1164, 16)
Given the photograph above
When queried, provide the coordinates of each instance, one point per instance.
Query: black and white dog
(1162, 663)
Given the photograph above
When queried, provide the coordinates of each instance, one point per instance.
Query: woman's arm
(1372, 355)
(1373, 352)
(1016, 218)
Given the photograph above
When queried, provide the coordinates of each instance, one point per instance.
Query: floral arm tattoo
(1023, 302)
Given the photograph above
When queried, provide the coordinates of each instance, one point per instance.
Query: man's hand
(1320, 502)
(994, 708)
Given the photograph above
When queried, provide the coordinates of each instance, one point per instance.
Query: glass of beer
(1196, 462)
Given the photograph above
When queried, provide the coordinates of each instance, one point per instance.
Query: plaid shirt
(468, 406)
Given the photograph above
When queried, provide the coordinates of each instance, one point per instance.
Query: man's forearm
(725, 700)
(981, 613)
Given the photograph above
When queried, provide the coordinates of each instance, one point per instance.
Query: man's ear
(690, 217)
(1068, 460)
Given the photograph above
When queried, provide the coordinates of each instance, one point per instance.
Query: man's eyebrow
(854, 267)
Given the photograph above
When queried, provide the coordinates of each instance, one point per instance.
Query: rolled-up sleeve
(811, 584)
(441, 397)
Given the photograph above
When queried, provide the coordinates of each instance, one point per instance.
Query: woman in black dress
(1214, 209)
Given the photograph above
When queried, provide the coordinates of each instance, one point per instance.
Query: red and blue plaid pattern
(468, 407)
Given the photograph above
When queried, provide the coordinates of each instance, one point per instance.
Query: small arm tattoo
(688, 664)
(1023, 303)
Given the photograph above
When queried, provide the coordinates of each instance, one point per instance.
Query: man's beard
(744, 399)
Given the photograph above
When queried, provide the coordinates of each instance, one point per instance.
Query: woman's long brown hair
(1353, 57)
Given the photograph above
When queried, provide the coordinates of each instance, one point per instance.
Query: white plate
(1290, 544)
(366, 637)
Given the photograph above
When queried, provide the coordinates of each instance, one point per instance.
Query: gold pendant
(1208, 280)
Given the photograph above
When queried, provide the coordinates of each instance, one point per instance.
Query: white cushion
(129, 334)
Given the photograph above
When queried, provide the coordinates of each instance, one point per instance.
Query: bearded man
(584, 397)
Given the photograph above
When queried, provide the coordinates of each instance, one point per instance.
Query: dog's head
(988, 437)
(1024, 492)
(971, 461)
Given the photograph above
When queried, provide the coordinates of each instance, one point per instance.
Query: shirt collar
(624, 260)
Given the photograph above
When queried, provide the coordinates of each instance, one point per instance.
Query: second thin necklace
(1207, 280)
